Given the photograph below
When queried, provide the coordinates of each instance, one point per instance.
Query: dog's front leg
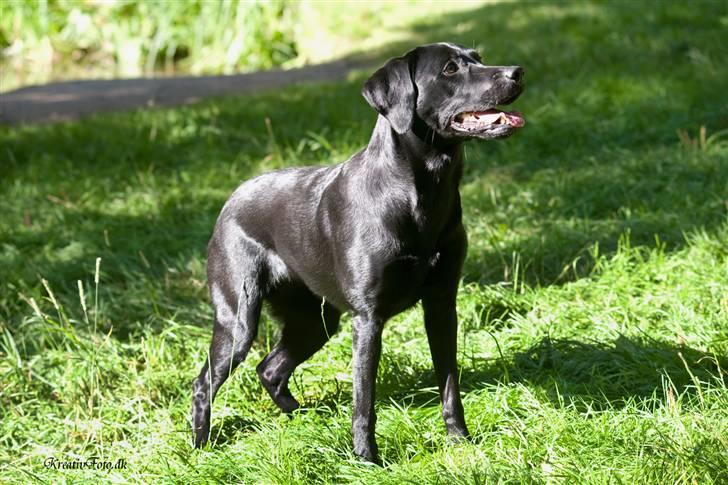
(441, 324)
(367, 350)
(441, 321)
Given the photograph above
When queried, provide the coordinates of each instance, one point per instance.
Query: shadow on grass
(605, 374)
(588, 375)
(608, 88)
(229, 429)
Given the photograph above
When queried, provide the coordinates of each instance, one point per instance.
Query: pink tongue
(515, 119)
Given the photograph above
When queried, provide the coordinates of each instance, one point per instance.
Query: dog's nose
(514, 73)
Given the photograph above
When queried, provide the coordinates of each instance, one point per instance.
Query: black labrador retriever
(371, 236)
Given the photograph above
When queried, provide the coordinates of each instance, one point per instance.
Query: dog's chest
(399, 284)
(410, 270)
(416, 234)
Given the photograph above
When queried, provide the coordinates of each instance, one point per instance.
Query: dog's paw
(366, 450)
(459, 435)
(200, 426)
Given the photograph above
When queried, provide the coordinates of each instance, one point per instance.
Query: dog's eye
(450, 68)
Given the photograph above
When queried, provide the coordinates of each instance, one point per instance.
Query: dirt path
(63, 101)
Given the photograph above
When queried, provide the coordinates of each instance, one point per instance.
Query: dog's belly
(393, 288)
(315, 274)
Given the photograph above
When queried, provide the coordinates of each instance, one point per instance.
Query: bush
(134, 37)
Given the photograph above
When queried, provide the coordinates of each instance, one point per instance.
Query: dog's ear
(391, 91)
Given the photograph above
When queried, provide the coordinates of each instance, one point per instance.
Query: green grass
(593, 309)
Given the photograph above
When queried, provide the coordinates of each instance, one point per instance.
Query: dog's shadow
(229, 429)
(585, 374)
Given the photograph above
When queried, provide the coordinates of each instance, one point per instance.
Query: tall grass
(133, 37)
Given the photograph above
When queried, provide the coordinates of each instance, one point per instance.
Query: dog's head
(449, 88)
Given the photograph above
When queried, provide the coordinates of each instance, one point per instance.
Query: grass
(593, 308)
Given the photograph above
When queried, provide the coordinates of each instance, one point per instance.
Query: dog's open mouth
(478, 121)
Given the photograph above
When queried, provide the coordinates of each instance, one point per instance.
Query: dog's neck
(419, 148)
(423, 177)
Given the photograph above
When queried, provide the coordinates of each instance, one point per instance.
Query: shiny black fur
(371, 236)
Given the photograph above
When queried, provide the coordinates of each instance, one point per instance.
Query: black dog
(371, 236)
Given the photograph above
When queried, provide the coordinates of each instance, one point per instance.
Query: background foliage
(131, 37)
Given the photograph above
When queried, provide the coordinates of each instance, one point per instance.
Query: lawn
(594, 303)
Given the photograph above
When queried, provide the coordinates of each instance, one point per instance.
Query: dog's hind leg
(236, 272)
(308, 322)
